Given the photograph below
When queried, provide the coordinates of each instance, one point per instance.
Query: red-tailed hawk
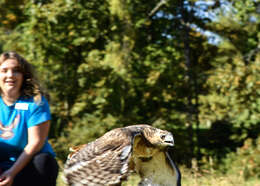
(112, 158)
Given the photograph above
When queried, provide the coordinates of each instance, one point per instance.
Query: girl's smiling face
(11, 79)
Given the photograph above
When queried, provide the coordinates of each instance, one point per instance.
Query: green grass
(60, 181)
(192, 178)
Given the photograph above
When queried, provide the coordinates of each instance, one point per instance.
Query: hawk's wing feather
(101, 162)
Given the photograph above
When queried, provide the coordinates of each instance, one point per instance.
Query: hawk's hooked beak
(168, 139)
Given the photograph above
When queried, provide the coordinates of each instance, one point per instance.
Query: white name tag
(21, 106)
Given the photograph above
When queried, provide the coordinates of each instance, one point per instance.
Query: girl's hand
(6, 178)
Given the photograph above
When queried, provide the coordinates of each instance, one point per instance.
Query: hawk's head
(158, 137)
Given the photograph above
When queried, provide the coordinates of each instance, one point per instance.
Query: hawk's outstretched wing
(101, 162)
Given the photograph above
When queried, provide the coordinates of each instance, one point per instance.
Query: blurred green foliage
(233, 84)
(111, 63)
(246, 161)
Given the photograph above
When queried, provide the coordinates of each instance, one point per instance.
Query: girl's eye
(3, 70)
(17, 70)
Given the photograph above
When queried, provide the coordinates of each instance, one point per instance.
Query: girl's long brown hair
(30, 86)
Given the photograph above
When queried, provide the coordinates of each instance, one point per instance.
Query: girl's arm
(36, 139)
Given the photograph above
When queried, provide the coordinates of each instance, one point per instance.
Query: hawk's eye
(163, 137)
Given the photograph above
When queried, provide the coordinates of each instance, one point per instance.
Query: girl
(26, 157)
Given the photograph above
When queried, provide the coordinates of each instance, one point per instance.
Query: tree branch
(157, 7)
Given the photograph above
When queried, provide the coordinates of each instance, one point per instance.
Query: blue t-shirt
(14, 123)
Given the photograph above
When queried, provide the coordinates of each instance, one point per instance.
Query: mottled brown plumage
(110, 159)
